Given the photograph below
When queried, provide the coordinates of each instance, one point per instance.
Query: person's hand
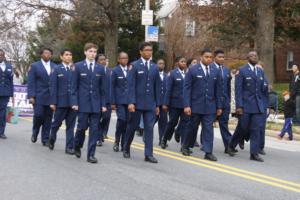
(113, 107)
(53, 107)
(131, 108)
(165, 108)
(239, 111)
(75, 108)
(104, 109)
(188, 111)
(157, 111)
(32, 101)
(219, 112)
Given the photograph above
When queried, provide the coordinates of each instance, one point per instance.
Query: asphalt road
(33, 172)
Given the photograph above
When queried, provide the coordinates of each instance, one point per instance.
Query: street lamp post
(147, 7)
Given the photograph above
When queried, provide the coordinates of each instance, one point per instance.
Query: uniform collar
(89, 62)
(251, 66)
(144, 61)
(45, 63)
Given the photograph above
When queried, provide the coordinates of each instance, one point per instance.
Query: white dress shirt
(3, 66)
(124, 69)
(88, 64)
(204, 68)
(182, 72)
(161, 74)
(144, 62)
(47, 66)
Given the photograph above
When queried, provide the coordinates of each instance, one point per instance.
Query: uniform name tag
(9, 70)
(261, 78)
(178, 79)
(199, 76)
(82, 74)
(60, 75)
(120, 77)
(248, 78)
(140, 72)
(98, 74)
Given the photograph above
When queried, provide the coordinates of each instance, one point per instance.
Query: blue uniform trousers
(42, 117)
(149, 118)
(85, 121)
(69, 115)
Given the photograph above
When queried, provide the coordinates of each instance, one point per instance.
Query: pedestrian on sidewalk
(295, 93)
(289, 111)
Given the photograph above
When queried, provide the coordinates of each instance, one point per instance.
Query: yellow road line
(224, 166)
(268, 180)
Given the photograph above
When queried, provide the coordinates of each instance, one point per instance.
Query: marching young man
(88, 98)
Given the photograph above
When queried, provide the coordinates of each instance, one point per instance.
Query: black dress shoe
(210, 156)
(70, 151)
(196, 144)
(163, 144)
(140, 132)
(262, 152)
(256, 157)
(92, 159)
(51, 144)
(126, 154)
(185, 152)
(3, 137)
(242, 144)
(45, 144)
(33, 138)
(177, 137)
(231, 151)
(77, 152)
(151, 159)
(99, 143)
(116, 147)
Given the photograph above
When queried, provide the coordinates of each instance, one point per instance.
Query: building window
(190, 27)
(290, 60)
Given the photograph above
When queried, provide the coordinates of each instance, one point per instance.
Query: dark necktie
(91, 67)
(221, 67)
(255, 70)
(207, 71)
(146, 65)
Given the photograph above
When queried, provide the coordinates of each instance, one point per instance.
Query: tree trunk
(265, 36)
(111, 44)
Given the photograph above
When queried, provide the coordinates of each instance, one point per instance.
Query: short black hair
(46, 49)
(206, 50)
(100, 55)
(189, 61)
(160, 59)
(144, 44)
(63, 51)
(122, 52)
(178, 58)
(218, 51)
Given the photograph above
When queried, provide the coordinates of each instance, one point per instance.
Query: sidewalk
(273, 127)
